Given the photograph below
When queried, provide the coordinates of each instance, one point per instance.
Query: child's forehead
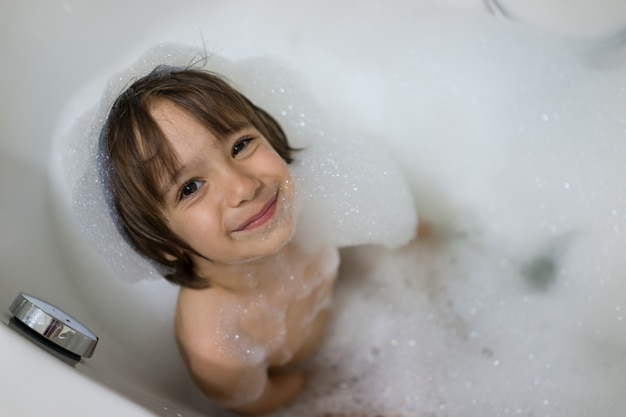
(173, 119)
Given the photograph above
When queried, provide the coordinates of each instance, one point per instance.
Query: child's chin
(275, 240)
(266, 243)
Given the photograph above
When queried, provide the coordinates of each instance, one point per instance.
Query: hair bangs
(223, 113)
(152, 155)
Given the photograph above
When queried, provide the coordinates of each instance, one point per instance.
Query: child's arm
(249, 390)
(280, 389)
(222, 369)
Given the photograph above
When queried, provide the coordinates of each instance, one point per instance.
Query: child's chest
(285, 321)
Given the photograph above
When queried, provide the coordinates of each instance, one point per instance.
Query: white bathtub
(50, 50)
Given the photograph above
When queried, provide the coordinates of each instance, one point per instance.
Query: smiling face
(231, 198)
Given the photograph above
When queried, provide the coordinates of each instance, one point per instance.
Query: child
(200, 181)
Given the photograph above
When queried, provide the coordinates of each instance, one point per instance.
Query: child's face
(231, 200)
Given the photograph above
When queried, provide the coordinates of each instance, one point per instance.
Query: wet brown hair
(138, 158)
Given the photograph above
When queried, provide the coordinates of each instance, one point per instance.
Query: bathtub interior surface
(59, 47)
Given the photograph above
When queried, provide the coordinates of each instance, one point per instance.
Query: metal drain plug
(52, 329)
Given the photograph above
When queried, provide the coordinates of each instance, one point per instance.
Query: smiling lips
(262, 217)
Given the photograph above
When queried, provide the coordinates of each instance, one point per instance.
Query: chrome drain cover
(54, 325)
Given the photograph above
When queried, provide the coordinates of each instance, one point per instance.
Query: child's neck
(254, 275)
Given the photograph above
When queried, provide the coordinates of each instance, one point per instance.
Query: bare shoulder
(199, 326)
(212, 348)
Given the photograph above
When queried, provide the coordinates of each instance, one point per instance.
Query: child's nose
(241, 187)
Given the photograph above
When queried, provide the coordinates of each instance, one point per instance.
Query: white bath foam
(518, 139)
(454, 327)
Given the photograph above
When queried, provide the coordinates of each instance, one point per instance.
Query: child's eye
(241, 145)
(189, 189)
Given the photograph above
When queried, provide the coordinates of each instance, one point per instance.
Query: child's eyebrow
(174, 180)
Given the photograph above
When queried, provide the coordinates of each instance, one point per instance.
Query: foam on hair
(338, 179)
